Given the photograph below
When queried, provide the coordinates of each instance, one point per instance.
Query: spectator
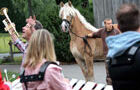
(39, 51)
(124, 53)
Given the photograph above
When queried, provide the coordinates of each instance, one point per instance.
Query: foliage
(87, 13)
(10, 75)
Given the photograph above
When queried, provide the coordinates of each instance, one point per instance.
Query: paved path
(71, 71)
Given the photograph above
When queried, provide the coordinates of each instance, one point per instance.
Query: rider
(108, 30)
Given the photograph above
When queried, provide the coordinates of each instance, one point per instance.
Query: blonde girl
(40, 50)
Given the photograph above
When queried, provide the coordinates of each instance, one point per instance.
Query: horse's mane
(70, 10)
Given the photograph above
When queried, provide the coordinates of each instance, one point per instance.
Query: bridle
(68, 28)
(68, 23)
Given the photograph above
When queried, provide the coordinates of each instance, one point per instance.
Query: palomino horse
(78, 27)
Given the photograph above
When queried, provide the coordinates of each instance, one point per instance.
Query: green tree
(30, 8)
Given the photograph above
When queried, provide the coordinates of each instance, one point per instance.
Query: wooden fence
(107, 8)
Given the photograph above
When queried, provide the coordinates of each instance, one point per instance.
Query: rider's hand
(86, 36)
(13, 35)
(90, 35)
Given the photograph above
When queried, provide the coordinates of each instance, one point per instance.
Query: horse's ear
(69, 2)
(61, 4)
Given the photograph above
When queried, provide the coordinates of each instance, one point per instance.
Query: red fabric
(2, 85)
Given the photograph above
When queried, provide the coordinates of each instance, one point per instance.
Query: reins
(85, 43)
(75, 34)
(84, 38)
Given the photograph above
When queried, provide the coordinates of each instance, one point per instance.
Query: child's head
(128, 17)
(40, 47)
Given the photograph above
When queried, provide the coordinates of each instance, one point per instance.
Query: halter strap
(66, 21)
(82, 37)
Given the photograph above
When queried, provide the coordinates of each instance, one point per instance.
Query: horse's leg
(89, 65)
(82, 64)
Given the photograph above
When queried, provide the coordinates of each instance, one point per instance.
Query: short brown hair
(107, 19)
(38, 25)
(128, 17)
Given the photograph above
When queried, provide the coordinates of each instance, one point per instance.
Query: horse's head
(66, 13)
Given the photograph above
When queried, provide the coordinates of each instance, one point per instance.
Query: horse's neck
(78, 28)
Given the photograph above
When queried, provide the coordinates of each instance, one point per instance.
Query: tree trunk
(11, 51)
(30, 8)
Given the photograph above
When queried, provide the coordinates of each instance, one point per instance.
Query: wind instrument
(7, 22)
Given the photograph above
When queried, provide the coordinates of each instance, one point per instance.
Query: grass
(10, 75)
(17, 61)
(4, 46)
(90, 1)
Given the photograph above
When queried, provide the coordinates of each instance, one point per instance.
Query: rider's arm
(95, 34)
(20, 45)
(17, 42)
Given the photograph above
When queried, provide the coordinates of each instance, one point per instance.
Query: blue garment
(118, 44)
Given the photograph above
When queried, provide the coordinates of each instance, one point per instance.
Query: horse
(83, 50)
